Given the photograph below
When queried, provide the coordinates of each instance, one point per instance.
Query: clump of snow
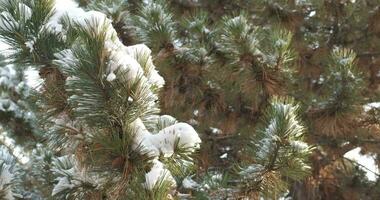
(158, 174)
(164, 141)
(33, 79)
(369, 161)
(217, 177)
(299, 145)
(215, 131)
(196, 113)
(124, 65)
(63, 8)
(30, 45)
(312, 13)
(280, 43)
(111, 77)
(223, 156)
(370, 106)
(130, 63)
(62, 185)
(142, 54)
(155, 123)
(166, 138)
(189, 183)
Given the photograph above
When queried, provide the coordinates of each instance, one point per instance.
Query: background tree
(223, 60)
(96, 106)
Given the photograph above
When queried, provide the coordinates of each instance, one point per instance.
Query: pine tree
(97, 105)
(7, 170)
(223, 61)
(278, 91)
(19, 131)
(15, 113)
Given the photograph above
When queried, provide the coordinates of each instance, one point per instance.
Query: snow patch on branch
(63, 8)
(164, 142)
(189, 183)
(125, 63)
(370, 106)
(62, 185)
(30, 44)
(158, 173)
(142, 54)
(367, 163)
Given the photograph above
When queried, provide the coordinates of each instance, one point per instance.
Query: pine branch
(278, 150)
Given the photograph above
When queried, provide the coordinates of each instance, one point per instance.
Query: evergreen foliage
(279, 91)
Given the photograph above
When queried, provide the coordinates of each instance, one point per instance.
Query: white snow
(63, 8)
(111, 77)
(366, 160)
(130, 99)
(63, 184)
(4, 48)
(299, 145)
(33, 79)
(8, 105)
(125, 65)
(130, 63)
(70, 175)
(142, 54)
(68, 9)
(312, 13)
(373, 105)
(30, 45)
(155, 123)
(164, 141)
(217, 177)
(5, 178)
(10, 144)
(215, 131)
(266, 144)
(157, 174)
(280, 43)
(189, 183)
(196, 113)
